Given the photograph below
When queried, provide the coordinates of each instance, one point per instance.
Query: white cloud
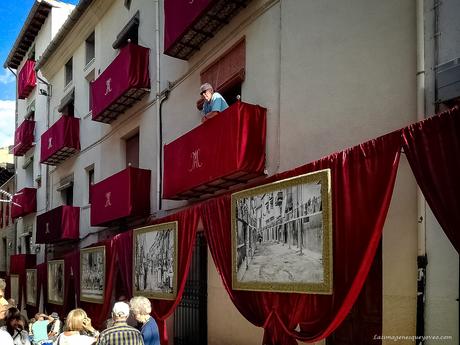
(6, 122)
(6, 77)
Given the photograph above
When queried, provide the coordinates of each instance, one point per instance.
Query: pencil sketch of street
(31, 287)
(154, 262)
(92, 274)
(280, 236)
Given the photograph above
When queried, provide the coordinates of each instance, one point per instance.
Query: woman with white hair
(141, 309)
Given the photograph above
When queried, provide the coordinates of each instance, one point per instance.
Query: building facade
(331, 75)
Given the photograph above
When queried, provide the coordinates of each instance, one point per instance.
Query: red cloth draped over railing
(60, 141)
(229, 145)
(18, 265)
(23, 137)
(24, 202)
(432, 148)
(59, 224)
(362, 184)
(26, 79)
(129, 70)
(179, 16)
(124, 194)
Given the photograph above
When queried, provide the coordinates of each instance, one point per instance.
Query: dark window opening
(132, 151)
(90, 183)
(231, 94)
(67, 105)
(31, 55)
(68, 72)
(90, 48)
(27, 244)
(67, 195)
(130, 33)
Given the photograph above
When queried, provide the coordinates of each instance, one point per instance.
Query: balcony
(60, 141)
(26, 79)
(123, 83)
(24, 138)
(24, 202)
(188, 24)
(226, 150)
(123, 195)
(60, 224)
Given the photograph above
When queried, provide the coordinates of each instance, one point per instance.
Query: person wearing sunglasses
(213, 104)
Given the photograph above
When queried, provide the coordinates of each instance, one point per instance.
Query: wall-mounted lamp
(43, 92)
(37, 248)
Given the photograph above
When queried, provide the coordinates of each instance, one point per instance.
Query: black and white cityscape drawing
(31, 287)
(92, 274)
(155, 260)
(282, 237)
(14, 281)
(56, 282)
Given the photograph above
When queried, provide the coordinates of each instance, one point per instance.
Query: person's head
(39, 317)
(141, 308)
(206, 91)
(3, 310)
(23, 323)
(13, 316)
(77, 320)
(2, 287)
(54, 315)
(120, 311)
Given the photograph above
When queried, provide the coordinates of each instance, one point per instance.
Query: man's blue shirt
(217, 103)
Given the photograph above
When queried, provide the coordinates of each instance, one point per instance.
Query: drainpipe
(421, 202)
(157, 104)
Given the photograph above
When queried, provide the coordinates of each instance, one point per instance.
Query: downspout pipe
(421, 202)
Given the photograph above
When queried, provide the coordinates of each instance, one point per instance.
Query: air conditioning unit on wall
(448, 77)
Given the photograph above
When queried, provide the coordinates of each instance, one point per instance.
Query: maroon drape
(18, 265)
(362, 183)
(432, 148)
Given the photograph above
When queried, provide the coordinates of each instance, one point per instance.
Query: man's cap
(121, 309)
(54, 315)
(204, 87)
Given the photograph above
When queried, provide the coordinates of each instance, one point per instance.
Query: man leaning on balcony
(214, 103)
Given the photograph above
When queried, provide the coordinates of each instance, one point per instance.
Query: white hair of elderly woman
(140, 305)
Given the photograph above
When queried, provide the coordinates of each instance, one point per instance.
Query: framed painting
(56, 282)
(92, 274)
(31, 287)
(14, 281)
(155, 261)
(282, 236)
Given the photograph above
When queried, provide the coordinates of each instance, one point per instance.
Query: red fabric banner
(179, 17)
(362, 184)
(125, 194)
(60, 224)
(229, 145)
(24, 202)
(432, 148)
(129, 70)
(24, 137)
(26, 79)
(18, 265)
(60, 141)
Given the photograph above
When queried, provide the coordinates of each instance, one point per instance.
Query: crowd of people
(130, 324)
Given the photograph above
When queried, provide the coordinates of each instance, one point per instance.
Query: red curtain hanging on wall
(432, 148)
(362, 184)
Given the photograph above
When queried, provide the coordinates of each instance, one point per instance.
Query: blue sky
(13, 13)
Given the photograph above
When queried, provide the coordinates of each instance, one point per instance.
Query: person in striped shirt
(120, 333)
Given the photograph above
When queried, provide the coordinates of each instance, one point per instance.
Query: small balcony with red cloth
(60, 141)
(24, 202)
(123, 195)
(26, 79)
(188, 24)
(24, 137)
(226, 150)
(60, 224)
(123, 83)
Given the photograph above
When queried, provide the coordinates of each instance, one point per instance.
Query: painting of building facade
(31, 287)
(282, 236)
(56, 282)
(92, 274)
(155, 261)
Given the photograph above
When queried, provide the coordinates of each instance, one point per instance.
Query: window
(68, 72)
(132, 151)
(31, 55)
(130, 33)
(66, 189)
(90, 51)
(29, 170)
(90, 175)
(67, 104)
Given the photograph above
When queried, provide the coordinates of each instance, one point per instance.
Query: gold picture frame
(155, 261)
(282, 236)
(14, 287)
(56, 282)
(92, 274)
(31, 287)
